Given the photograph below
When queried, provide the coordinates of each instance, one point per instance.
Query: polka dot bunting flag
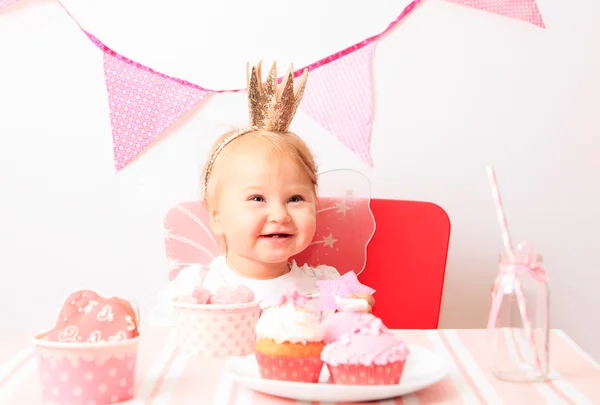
(144, 103)
(526, 10)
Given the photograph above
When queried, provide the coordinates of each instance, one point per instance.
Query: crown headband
(271, 107)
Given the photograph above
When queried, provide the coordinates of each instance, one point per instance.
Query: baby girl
(260, 191)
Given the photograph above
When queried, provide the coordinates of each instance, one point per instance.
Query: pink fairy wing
(188, 238)
(345, 223)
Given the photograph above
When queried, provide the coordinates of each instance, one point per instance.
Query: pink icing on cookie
(107, 321)
(76, 304)
(365, 349)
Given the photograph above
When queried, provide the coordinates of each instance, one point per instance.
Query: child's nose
(278, 213)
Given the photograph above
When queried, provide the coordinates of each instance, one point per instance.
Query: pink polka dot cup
(86, 373)
(216, 330)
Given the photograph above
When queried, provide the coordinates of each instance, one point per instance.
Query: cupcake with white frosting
(290, 341)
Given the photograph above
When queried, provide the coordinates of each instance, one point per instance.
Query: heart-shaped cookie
(82, 301)
(107, 320)
(76, 304)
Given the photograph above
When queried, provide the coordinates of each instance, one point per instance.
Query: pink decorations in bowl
(90, 355)
(217, 325)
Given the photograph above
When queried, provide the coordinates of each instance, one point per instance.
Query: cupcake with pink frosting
(341, 323)
(366, 353)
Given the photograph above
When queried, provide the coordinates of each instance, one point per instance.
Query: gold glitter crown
(271, 107)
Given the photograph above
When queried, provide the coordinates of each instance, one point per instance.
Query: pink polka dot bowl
(216, 330)
(86, 373)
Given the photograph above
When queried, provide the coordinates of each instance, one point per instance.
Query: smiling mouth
(276, 236)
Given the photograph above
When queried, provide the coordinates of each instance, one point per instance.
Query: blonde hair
(278, 144)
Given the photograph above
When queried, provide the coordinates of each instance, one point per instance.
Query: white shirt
(304, 279)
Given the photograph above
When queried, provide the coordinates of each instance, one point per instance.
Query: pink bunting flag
(143, 103)
(339, 97)
(526, 10)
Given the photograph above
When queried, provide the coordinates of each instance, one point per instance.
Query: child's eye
(296, 198)
(257, 198)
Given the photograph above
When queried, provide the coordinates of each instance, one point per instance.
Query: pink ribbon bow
(522, 260)
(530, 263)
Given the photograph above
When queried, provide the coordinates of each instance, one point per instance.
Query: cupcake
(367, 353)
(290, 341)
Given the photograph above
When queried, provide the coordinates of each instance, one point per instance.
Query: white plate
(422, 369)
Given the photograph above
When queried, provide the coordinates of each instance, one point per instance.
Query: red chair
(406, 262)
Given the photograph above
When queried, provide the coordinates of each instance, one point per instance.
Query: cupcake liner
(216, 330)
(350, 374)
(87, 373)
(289, 368)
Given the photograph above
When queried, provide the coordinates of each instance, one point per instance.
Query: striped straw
(508, 246)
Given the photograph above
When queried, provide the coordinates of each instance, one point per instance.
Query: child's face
(265, 207)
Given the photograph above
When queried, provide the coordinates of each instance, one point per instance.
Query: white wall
(456, 89)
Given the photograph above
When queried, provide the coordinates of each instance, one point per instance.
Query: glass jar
(519, 320)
